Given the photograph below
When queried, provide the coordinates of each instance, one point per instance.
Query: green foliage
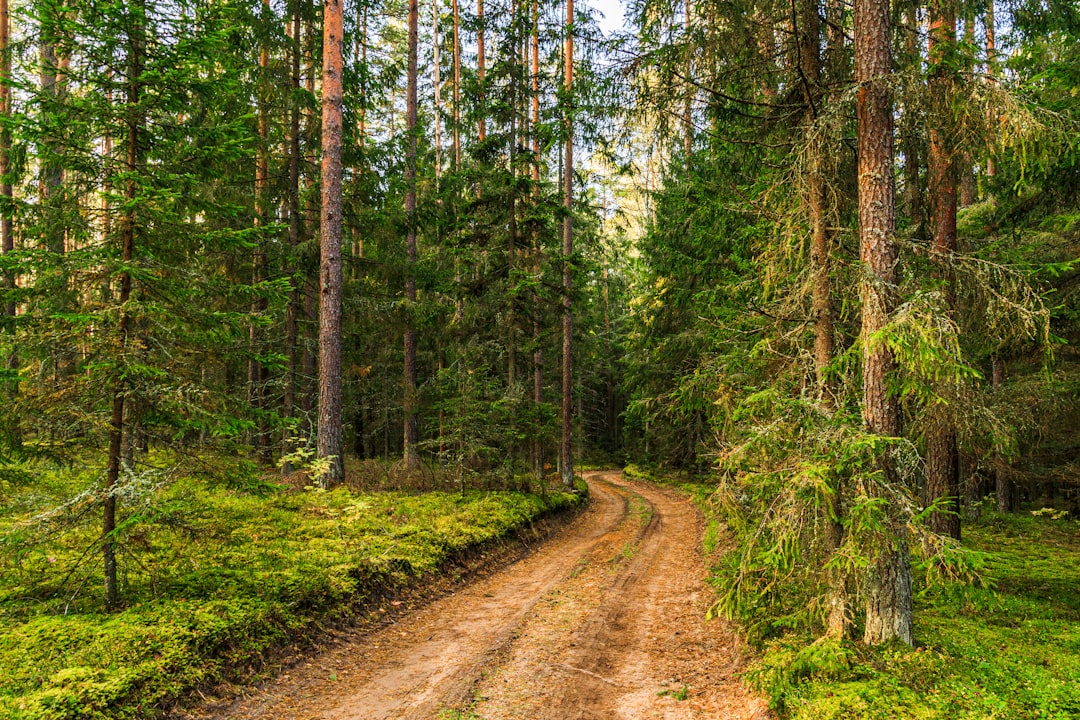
(1004, 649)
(214, 580)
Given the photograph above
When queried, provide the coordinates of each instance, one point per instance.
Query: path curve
(605, 620)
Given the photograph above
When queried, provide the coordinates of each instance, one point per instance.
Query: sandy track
(606, 620)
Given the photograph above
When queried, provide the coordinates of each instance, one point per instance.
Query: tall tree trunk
(688, 120)
(538, 351)
(436, 85)
(309, 366)
(411, 400)
(512, 229)
(330, 275)
(809, 39)
(965, 168)
(293, 309)
(457, 87)
(910, 129)
(942, 457)
(52, 172)
(1004, 487)
(256, 370)
(566, 459)
(991, 65)
(888, 580)
(7, 236)
(480, 69)
(133, 122)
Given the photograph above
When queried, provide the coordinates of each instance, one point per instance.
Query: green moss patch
(1008, 651)
(214, 581)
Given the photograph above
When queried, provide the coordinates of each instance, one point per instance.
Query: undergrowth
(1007, 648)
(213, 579)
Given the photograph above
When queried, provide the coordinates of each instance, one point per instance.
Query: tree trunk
(965, 169)
(257, 374)
(942, 461)
(820, 258)
(910, 130)
(538, 351)
(888, 582)
(293, 309)
(991, 65)
(480, 69)
(688, 123)
(330, 276)
(566, 459)
(134, 124)
(7, 236)
(411, 399)
(1004, 487)
(51, 172)
(457, 87)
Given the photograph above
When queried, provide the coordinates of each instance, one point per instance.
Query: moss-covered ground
(213, 579)
(1010, 650)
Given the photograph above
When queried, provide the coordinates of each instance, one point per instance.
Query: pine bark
(481, 69)
(133, 123)
(293, 309)
(965, 169)
(257, 373)
(1004, 487)
(51, 172)
(538, 351)
(566, 458)
(330, 270)
(909, 137)
(942, 456)
(888, 578)
(411, 399)
(991, 64)
(7, 236)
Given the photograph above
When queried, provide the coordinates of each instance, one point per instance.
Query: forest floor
(605, 620)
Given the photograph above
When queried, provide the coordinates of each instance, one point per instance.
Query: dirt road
(606, 620)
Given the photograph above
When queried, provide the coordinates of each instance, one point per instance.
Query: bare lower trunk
(127, 253)
(889, 600)
(1004, 487)
(943, 461)
(330, 272)
(888, 579)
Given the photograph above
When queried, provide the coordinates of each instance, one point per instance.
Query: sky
(612, 11)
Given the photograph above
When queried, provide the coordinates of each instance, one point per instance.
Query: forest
(305, 304)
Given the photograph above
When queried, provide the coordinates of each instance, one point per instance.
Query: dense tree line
(857, 288)
(300, 234)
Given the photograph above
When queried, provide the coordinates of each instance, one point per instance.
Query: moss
(1008, 650)
(215, 580)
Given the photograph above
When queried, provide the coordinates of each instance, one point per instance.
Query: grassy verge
(214, 581)
(1009, 651)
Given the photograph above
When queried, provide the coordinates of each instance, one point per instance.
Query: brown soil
(606, 620)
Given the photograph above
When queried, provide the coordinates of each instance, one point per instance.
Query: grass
(214, 580)
(1009, 651)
